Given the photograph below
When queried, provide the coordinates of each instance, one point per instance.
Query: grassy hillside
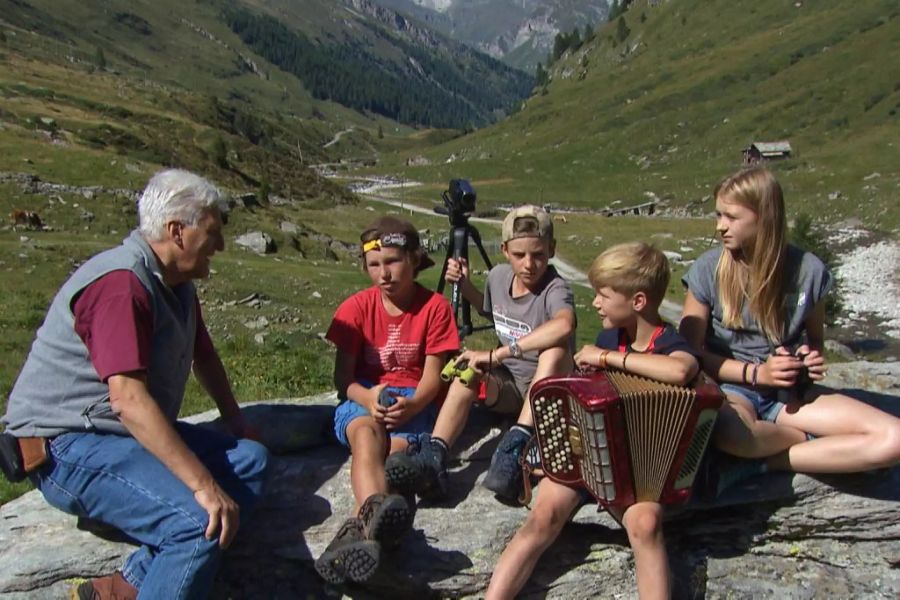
(668, 108)
(172, 83)
(105, 96)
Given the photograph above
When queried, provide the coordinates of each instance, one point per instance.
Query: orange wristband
(602, 359)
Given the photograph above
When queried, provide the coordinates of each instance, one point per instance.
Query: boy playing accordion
(630, 281)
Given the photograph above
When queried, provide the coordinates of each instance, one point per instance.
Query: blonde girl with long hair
(755, 308)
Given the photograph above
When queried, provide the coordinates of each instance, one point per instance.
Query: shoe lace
(415, 442)
(369, 507)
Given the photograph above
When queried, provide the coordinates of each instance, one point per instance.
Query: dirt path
(337, 137)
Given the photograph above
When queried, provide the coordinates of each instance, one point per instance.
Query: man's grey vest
(58, 389)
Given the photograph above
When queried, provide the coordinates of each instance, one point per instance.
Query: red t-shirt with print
(390, 349)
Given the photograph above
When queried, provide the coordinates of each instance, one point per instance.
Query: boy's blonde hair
(631, 268)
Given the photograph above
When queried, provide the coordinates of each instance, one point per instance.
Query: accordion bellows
(624, 438)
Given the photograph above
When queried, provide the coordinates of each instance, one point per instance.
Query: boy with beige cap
(533, 311)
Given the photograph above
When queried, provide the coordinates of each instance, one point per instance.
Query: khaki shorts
(504, 395)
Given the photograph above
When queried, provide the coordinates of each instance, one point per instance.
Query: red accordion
(624, 438)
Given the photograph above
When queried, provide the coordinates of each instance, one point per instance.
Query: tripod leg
(476, 237)
(460, 250)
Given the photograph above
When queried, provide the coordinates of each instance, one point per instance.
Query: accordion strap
(527, 471)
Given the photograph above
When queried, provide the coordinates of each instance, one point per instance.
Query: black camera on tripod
(459, 204)
(459, 201)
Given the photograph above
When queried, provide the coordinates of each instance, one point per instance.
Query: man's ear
(552, 251)
(639, 301)
(504, 250)
(174, 229)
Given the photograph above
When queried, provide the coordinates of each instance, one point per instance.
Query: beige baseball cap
(543, 225)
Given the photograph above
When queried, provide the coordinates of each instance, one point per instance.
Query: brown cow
(26, 219)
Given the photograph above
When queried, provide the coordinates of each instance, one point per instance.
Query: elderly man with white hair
(94, 408)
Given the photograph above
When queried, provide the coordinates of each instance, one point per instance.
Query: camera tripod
(457, 248)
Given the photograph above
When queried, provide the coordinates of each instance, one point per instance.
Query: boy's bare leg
(367, 443)
(551, 362)
(552, 509)
(643, 522)
(504, 476)
(379, 519)
(424, 471)
(454, 413)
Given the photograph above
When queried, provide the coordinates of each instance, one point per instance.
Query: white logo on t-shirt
(509, 329)
(801, 299)
(395, 354)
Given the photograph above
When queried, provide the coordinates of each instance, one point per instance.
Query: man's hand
(224, 513)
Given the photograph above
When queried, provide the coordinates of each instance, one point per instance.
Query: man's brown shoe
(111, 587)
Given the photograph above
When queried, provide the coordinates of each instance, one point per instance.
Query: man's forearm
(143, 419)
(213, 378)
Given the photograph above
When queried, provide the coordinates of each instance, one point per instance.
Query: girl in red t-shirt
(392, 340)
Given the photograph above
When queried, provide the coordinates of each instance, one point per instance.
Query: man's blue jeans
(113, 479)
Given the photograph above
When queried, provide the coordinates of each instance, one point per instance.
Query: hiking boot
(504, 477)
(111, 587)
(386, 519)
(349, 555)
(420, 470)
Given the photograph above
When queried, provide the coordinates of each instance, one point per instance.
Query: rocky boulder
(778, 535)
(257, 241)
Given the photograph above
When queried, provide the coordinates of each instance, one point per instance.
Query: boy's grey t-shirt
(517, 317)
(807, 282)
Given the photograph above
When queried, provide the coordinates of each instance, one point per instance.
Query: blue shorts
(767, 405)
(348, 410)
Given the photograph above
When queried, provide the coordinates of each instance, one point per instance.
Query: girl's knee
(887, 448)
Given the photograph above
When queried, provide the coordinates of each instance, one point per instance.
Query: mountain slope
(519, 32)
(168, 82)
(372, 59)
(663, 105)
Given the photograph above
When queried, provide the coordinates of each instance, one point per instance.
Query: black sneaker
(420, 470)
(386, 519)
(504, 477)
(349, 555)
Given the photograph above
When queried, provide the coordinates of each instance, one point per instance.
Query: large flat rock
(773, 536)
